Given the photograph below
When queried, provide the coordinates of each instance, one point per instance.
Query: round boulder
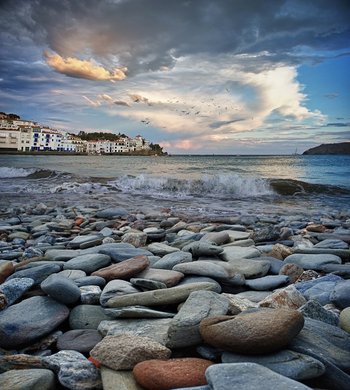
(254, 331)
(173, 373)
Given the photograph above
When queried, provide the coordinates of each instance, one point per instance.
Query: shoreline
(54, 153)
(76, 279)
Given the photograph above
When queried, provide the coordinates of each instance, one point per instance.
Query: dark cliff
(340, 148)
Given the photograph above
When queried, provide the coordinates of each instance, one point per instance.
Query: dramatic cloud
(198, 75)
(83, 69)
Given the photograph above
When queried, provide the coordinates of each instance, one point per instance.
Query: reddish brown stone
(170, 374)
(79, 221)
(124, 270)
(317, 228)
(169, 277)
(255, 331)
(6, 270)
(291, 270)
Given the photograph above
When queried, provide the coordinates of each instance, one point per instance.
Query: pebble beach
(109, 298)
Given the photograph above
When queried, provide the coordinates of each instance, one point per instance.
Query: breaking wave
(231, 185)
(8, 172)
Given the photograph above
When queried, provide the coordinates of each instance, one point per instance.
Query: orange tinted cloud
(83, 69)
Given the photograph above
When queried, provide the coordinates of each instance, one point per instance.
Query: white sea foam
(225, 185)
(82, 188)
(8, 172)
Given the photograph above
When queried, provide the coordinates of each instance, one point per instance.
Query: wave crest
(8, 172)
(221, 185)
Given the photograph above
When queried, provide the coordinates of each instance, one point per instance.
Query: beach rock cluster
(111, 299)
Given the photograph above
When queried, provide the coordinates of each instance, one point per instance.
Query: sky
(197, 77)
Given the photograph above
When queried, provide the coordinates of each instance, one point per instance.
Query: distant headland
(339, 148)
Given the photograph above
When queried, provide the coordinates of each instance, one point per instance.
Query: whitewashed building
(45, 139)
(9, 139)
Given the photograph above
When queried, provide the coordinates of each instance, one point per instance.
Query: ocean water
(194, 184)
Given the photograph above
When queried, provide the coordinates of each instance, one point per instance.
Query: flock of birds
(195, 110)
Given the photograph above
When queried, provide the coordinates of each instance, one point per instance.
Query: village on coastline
(26, 136)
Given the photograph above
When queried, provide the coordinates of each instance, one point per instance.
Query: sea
(191, 184)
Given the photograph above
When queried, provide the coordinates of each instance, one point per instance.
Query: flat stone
(280, 251)
(88, 263)
(291, 364)
(123, 270)
(332, 244)
(12, 290)
(303, 286)
(242, 243)
(253, 331)
(202, 248)
(18, 361)
(235, 235)
(147, 284)
(124, 253)
(121, 380)
(312, 261)
(38, 274)
(238, 304)
(288, 298)
(217, 238)
(61, 289)
(123, 352)
(324, 341)
(269, 282)
(249, 268)
(112, 212)
(275, 264)
(343, 253)
(344, 319)
(189, 279)
(184, 328)
(155, 328)
(166, 296)
(72, 274)
(169, 277)
(327, 343)
(81, 340)
(135, 239)
(90, 281)
(137, 312)
(74, 371)
(340, 295)
(319, 289)
(254, 296)
(342, 270)
(249, 376)
(237, 253)
(85, 241)
(170, 260)
(160, 249)
(30, 379)
(90, 295)
(172, 373)
(116, 288)
(313, 309)
(86, 317)
(27, 321)
(61, 254)
(202, 268)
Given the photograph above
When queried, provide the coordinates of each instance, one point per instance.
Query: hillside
(339, 148)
